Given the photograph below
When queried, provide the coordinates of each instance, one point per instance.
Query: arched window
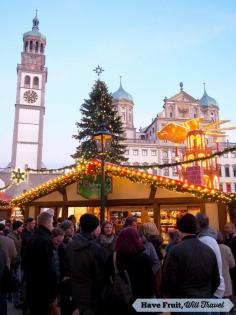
(227, 171)
(37, 47)
(27, 81)
(31, 45)
(41, 48)
(36, 83)
(26, 46)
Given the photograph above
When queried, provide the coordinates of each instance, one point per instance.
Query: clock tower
(30, 97)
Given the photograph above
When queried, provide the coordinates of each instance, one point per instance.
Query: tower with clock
(29, 109)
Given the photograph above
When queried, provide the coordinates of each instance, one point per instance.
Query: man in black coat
(41, 283)
(87, 260)
(190, 269)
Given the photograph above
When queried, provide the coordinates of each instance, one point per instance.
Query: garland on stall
(94, 167)
(69, 167)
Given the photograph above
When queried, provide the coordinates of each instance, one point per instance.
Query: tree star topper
(98, 70)
(17, 176)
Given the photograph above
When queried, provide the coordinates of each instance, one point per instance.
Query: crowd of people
(61, 267)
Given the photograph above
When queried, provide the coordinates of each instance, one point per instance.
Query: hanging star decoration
(98, 70)
(17, 176)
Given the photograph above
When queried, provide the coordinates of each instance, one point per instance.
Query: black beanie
(187, 224)
(88, 223)
(16, 225)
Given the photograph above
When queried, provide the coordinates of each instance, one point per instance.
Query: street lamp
(103, 141)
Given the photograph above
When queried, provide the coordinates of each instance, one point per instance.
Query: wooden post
(157, 216)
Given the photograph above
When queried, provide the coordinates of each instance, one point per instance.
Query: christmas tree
(98, 112)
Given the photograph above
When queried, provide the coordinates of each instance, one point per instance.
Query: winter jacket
(8, 246)
(207, 237)
(17, 240)
(228, 263)
(3, 265)
(41, 279)
(86, 260)
(190, 270)
(25, 236)
(150, 251)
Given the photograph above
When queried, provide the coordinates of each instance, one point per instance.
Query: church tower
(30, 97)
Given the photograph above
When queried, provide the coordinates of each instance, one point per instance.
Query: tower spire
(204, 84)
(120, 80)
(35, 22)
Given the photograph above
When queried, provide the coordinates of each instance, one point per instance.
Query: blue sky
(153, 44)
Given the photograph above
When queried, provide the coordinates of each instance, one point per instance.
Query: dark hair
(29, 220)
(174, 236)
(129, 221)
(43, 218)
(72, 217)
(128, 241)
(57, 231)
(59, 220)
(104, 224)
(2, 227)
(202, 220)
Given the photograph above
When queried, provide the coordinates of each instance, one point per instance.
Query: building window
(27, 81)
(234, 170)
(144, 152)
(228, 188)
(171, 115)
(166, 171)
(220, 171)
(164, 141)
(153, 130)
(123, 116)
(153, 152)
(130, 118)
(164, 154)
(221, 187)
(26, 46)
(31, 45)
(37, 47)
(235, 187)
(41, 48)
(233, 154)
(126, 152)
(154, 171)
(225, 155)
(36, 83)
(174, 171)
(135, 152)
(227, 171)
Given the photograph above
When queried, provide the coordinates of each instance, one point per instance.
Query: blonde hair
(150, 228)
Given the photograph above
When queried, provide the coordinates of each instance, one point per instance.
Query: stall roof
(134, 175)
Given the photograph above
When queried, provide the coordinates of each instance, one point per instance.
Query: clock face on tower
(30, 96)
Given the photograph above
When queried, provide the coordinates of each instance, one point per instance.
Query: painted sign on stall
(89, 186)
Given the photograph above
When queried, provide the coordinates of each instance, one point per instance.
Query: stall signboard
(89, 186)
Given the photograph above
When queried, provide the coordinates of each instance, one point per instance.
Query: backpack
(119, 290)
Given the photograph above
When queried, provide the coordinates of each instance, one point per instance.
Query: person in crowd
(173, 240)
(66, 302)
(25, 236)
(3, 298)
(107, 237)
(8, 227)
(229, 232)
(230, 241)
(15, 235)
(87, 261)
(72, 218)
(131, 222)
(41, 283)
(190, 269)
(130, 256)
(228, 262)
(150, 251)
(8, 246)
(152, 234)
(59, 221)
(208, 236)
(57, 239)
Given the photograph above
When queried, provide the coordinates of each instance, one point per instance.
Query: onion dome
(35, 29)
(122, 94)
(206, 100)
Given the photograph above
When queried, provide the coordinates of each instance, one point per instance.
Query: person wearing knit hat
(16, 225)
(86, 254)
(15, 235)
(187, 224)
(190, 268)
(88, 223)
